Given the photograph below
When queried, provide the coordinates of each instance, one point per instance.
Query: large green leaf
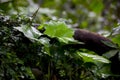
(92, 58)
(33, 34)
(30, 32)
(58, 29)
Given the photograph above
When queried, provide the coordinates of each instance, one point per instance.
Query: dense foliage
(39, 38)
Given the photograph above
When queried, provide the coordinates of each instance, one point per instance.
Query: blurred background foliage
(95, 15)
(19, 55)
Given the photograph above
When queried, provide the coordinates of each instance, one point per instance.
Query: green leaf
(116, 39)
(92, 58)
(30, 32)
(59, 30)
(116, 30)
(70, 40)
(111, 53)
(110, 44)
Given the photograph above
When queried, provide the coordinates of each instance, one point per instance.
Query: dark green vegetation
(36, 43)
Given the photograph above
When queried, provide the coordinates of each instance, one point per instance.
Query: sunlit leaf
(59, 30)
(92, 58)
(116, 31)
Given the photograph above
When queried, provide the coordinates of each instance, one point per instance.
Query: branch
(93, 41)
